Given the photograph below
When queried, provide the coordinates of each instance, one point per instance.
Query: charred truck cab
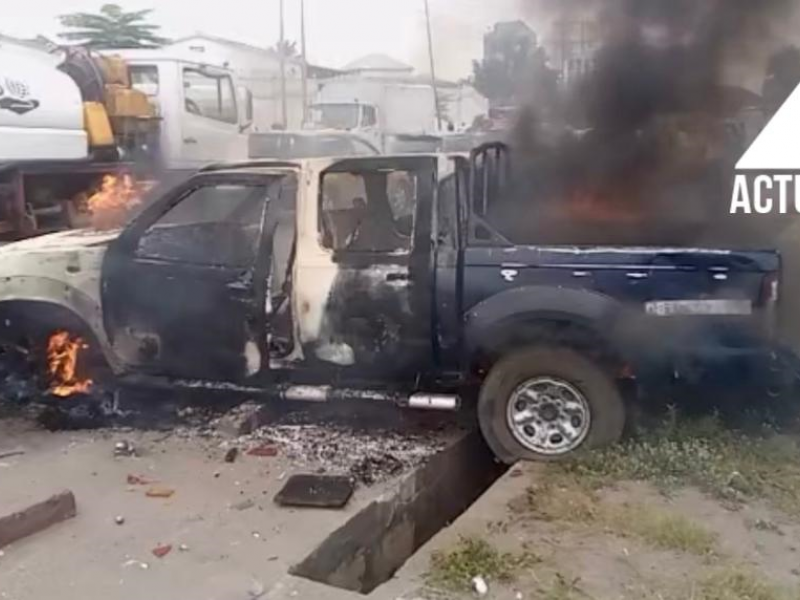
(382, 278)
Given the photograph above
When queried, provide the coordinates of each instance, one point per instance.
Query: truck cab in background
(71, 118)
(204, 114)
(379, 110)
(355, 117)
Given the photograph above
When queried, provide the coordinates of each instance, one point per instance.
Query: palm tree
(112, 28)
(287, 48)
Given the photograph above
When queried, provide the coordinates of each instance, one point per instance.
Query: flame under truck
(69, 118)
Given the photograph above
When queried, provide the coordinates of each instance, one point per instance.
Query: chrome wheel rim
(549, 416)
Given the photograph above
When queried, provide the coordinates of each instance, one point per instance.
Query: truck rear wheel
(545, 404)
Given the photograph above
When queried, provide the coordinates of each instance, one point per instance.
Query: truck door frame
(251, 286)
(322, 273)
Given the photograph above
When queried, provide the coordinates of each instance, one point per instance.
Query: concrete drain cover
(316, 491)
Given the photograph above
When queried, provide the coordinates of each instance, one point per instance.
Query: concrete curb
(37, 517)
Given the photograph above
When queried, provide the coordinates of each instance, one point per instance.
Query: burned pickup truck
(382, 279)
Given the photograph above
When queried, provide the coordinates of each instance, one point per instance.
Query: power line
(282, 56)
(433, 67)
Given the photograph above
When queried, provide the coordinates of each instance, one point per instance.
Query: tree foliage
(514, 69)
(287, 48)
(113, 27)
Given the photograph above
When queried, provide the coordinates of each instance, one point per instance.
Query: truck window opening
(145, 78)
(213, 225)
(371, 212)
(209, 96)
(337, 116)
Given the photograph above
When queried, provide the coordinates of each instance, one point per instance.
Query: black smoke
(643, 149)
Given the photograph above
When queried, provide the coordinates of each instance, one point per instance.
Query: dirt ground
(228, 538)
(676, 519)
(682, 545)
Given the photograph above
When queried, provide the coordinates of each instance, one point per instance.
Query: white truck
(70, 118)
(383, 111)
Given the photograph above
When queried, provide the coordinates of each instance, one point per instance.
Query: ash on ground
(370, 443)
(369, 452)
(369, 457)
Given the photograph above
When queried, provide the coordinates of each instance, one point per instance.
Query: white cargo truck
(379, 110)
(70, 118)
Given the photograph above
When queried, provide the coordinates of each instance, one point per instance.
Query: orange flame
(62, 361)
(110, 204)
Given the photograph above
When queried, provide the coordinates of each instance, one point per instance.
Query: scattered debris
(37, 518)
(480, 586)
(264, 451)
(160, 492)
(11, 453)
(138, 480)
(162, 550)
(242, 420)
(244, 505)
(124, 448)
(372, 469)
(119, 520)
(256, 589)
(318, 491)
(136, 563)
(230, 455)
(515, 473)
(764, 525)
(183, 548)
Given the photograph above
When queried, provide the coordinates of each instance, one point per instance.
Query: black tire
(606, 406)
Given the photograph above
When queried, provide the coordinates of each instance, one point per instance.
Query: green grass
(735, 584)
(566, 499)
(726, 464)
(662, 530)
(453, 570)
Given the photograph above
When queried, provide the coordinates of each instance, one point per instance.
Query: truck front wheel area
(547, 403)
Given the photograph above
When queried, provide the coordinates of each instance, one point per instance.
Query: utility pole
(282, 56)
(305, 61)
(433, 67)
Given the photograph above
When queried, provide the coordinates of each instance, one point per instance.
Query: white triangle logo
(777, 148)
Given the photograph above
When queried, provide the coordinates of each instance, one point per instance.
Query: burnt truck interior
(202, 285)
(374, 226)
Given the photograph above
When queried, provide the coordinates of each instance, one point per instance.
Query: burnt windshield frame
(128, 241)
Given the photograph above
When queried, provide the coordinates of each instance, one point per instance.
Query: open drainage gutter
(369, 549)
